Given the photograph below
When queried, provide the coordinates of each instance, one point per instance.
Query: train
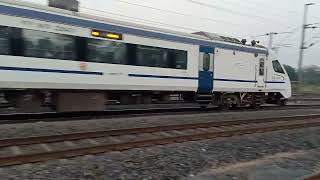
(78, 62)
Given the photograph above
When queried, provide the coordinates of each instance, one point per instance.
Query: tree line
(311, 74)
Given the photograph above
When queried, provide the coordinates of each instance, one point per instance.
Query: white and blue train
(80, 61)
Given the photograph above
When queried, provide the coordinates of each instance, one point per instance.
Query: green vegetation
(311, 79)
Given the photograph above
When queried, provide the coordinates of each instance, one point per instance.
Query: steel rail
(98, 149)
(22, 118)
(315, 177)
(153, 129)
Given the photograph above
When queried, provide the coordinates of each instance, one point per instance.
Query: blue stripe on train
(4, 68)
(275, 82)
(237, 80)
(196, 78)
(162, 77)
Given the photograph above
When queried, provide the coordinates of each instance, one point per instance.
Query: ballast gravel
(283, 166)
(193, 160)
(53, 128)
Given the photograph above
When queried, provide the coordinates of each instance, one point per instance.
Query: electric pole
(271, 37)
(302, 46)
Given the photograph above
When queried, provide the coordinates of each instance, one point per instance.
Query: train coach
(78, 62)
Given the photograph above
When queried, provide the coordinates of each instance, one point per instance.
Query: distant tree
(311, 74)
(292, 72)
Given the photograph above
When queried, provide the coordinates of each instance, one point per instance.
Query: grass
(306, 88)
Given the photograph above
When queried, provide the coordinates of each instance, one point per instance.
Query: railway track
(315, 177)
(64, 146)
(20, 118)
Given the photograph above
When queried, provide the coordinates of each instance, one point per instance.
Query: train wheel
(255, 104)
(282, 102)
(231, 101)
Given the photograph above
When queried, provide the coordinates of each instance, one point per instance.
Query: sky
(243, 19)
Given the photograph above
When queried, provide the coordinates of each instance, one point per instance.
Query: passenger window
(206, 61)
(152, 57)
(102, 51)
(4, 40)
(261, 67)
(277, 67)
(178, 59)
(48, 45)
(40, 44)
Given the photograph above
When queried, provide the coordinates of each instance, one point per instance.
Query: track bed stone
(190, 160)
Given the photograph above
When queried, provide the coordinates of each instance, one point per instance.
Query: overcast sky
(238, 18)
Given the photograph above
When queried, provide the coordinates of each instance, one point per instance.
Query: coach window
(103, 51)
(277, 67)
(261, 67)
(152, 57)
(4, 40)
(206, 61)
(48, 45)
(179, 59)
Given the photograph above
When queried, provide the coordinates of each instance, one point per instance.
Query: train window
(103, 51)
(261, 67)
(178, 59)
(152, 56)
(206, 61)
(4, 40)
(58, 46)
(48, 45)
(277, 67)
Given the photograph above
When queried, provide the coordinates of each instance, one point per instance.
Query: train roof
(41, 12)
(217, 37)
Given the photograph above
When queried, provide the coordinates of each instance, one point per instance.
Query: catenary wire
(136, 19)
(176, 12)
(227, 10)
(253, 7)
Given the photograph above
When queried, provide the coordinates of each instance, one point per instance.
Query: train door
(261, 73)
(206, 70)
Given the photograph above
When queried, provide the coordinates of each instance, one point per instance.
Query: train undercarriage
(231, 100)
(72, 101)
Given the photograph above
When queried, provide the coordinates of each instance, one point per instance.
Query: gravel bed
(303, 102)
(283, 166)
(177, 161)
(50, 128)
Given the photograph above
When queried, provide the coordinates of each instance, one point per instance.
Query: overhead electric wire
(206, 5)
(225, 9)
(294, 30)
(141, 19)
(260, 4)
(176, 12)
(251, 7)
(145, 21)
(274, 33)
(314, 35)
(313, 44)
(228, 10)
